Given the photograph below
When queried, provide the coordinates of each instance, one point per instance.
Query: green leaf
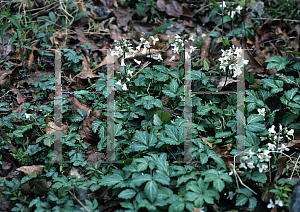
(291, 93)
(156, 120)
(161, 68)
(252, 203)
(16, 23)
(172, 132)
(142, 164)
(80, 15)
(174, 86)
(140, 179)
(219, 184)
(287, 119)
(225, 19)
(52, 16)
(162, 178)
(3, 28)
(256, 127)
(118, 130)
(164, 26)
(127, 205)
(127, 194)
(223, 134)
(111, 180)
(152, 140)
(141, 9)
(254, 118)
(141, 136)
(258, 177)
(269, 82)
(241, 200)
(151, 190)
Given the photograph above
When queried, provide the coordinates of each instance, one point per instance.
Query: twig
(79, 201)
(239, 176)
(276, 19)
(143, 66)
(294, 167)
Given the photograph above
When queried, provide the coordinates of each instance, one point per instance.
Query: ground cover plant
(147, 40)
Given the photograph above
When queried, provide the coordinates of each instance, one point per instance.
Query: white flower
(223, 4)
(192, 49)
(262, 167)
(264, 156)
(271, 205)
(146, 44)
(279, 202)
(238, 51)
(129, 72)
(251, 153)
(230, 195)
(144, 50)
(250, 165)
(137, 61)
(271, 146)
(245, 158)
(124, 87)
(262, 138)
(232, 13)
(175, 48)
(160, 57)
(27, 116)
(291, 132)
(243, 165)
(261, 111)
(119, 83)
(154, 39)
(238, 9)
(272, 129)
(283, 148)
(172, 58)
(191, 38)
(280, 127)
(139, 47)
(123, 62)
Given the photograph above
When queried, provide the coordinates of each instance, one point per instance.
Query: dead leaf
(9, 163)
(9, 144)
(21, 98)
(84, 40)
(31, 57)
(86, 132)
(40, 187)
(76, 172)
(281, 167)
(28, 170)
(123, 16)
(205, 48)
(86, 72)
(52, 128)
(95, 157)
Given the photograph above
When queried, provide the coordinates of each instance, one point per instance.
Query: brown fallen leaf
(84, 40)
(28, 170)
(205, 48)
(253, 65)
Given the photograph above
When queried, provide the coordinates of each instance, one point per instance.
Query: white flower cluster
(277, 202)
(250, 160)
(178, 44)
(231, 13)
(229, 59)
(123, 47)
